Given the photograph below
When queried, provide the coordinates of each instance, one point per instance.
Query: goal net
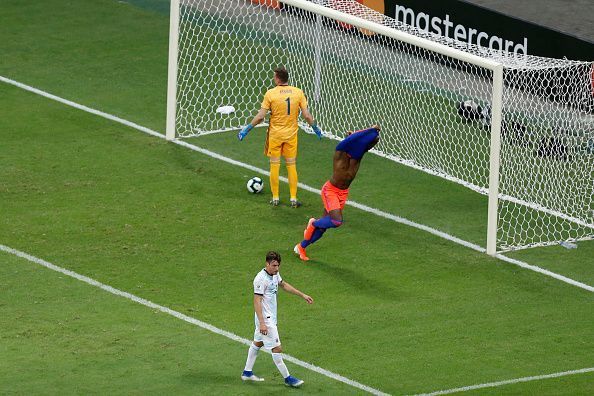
(442, 108)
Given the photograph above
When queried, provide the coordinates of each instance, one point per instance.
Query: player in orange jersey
(284, 103)
(335, 191)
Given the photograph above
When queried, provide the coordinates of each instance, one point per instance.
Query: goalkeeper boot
(300, 251)
(309, 230)
(274, 202)
(295, 204)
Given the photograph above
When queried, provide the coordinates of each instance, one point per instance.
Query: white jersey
(266, 285)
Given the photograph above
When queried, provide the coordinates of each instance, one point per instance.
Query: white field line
(507, 382)
(377, 212)
(245, 341)
(183, 317)
(308, 188)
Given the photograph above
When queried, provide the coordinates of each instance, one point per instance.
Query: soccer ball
(255, 185)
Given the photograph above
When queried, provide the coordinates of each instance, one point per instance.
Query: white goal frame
(495, 67)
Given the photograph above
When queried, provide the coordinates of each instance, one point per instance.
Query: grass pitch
(396, 308)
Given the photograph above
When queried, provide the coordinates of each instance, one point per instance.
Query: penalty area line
(508, 382)
(231, 161)
(185, 318)
(234, 337)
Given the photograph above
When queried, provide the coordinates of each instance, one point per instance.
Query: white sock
(280, 365)
(251, 359)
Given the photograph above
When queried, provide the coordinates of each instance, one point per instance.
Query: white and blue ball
(255, 185)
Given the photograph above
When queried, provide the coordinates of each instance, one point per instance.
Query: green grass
(65, 337)
(396, 308)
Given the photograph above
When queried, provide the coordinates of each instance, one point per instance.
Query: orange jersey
(284, 103)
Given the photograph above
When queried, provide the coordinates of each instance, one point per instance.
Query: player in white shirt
(266, 284)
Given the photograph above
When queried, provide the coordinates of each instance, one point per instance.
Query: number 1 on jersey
(288, 100)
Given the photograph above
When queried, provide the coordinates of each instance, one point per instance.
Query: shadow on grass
(356, 280)
(229, 384)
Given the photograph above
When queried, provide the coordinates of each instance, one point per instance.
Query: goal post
(494, 160)
(170, 130)
(515, 129)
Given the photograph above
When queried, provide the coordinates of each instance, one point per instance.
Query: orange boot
(301, 252)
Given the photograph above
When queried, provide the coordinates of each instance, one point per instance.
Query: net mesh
(434, 109)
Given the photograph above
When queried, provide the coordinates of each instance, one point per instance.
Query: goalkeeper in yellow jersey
(284, 102)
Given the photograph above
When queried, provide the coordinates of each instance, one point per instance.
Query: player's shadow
(218, 379)
(204, 377)
(356, 280)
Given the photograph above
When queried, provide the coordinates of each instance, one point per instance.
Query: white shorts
(270, 340)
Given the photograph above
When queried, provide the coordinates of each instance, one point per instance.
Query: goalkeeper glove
(244, 131)
(317, 130)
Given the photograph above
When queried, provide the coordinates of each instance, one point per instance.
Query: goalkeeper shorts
(275, 147)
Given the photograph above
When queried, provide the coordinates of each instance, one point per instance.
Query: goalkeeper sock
(251, 359)
(274, 172)
(292, 174)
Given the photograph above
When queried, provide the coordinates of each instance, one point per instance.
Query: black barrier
(469, 20)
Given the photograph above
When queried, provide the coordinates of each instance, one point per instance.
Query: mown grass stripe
(377, 212)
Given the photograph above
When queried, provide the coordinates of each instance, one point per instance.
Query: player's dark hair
(273, 256)
(282, 74)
